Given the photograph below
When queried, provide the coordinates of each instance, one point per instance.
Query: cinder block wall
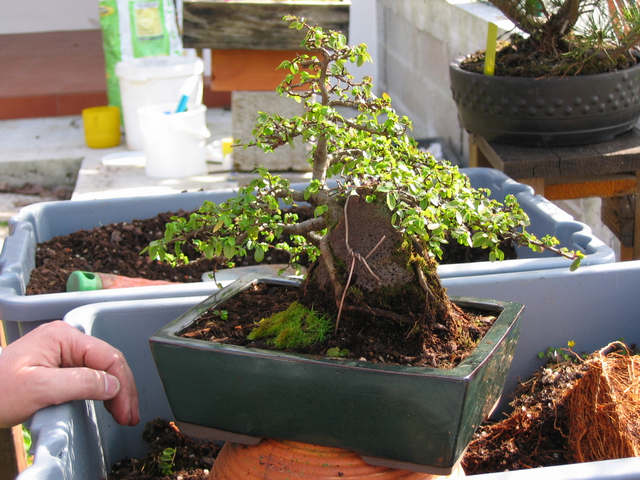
(417, 39)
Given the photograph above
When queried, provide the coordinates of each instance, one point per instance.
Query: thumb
(83, 383)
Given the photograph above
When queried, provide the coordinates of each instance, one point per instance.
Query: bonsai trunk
(383, 273)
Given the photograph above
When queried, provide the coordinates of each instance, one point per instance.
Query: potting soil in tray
(571, 412)
(115, 249)
(190, 459)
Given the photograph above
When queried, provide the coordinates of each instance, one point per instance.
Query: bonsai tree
(378, 229)
(568, 37)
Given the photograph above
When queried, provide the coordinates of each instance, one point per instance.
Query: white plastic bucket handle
(179, 124)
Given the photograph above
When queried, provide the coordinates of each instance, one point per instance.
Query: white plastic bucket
(174, 144)
(151, 81)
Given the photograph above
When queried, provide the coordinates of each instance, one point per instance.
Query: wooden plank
(627, 144)
(248, 70)
(527, 162)
(477, 157)
(538, 185)
(257, 24)
(622, 154)
(583, 186)
(617, 214)
(13, 458)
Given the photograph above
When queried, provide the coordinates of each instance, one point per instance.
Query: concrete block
(244, 111)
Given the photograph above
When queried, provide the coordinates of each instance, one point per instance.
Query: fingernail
(112, 385)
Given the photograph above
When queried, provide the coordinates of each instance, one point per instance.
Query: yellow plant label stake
(490, 55)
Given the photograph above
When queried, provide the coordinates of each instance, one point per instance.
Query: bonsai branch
(305, 227)
(518, 238)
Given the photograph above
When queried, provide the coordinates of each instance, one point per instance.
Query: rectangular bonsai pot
(401, 416)
(78, 440)
(41, 222)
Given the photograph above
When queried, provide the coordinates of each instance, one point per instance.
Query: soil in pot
(519, 58)
(360, 337)
(115, 248)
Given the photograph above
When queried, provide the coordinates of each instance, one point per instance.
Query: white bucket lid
(145, 68)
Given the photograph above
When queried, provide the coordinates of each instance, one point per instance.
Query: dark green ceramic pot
(547, 112)
(404, 417)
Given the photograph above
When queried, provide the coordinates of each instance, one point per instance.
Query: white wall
(417, 39)
(31, 16)
(363, 18)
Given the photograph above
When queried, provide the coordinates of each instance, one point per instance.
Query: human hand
(56, 363)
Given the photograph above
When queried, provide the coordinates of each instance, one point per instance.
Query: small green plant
(166, 461)
(27, 442)
(223, 314)
(559, 355)
(296, 327)
(337, 352)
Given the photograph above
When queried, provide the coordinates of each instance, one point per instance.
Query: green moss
(295, 327)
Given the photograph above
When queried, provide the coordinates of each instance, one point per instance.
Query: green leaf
(335, 352)
(575, 264)
(319, 211)
(392, 200)
(478, 239)
(209, 251)
(229, 251)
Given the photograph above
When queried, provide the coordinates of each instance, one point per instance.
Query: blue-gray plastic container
(41, 222)
(594, 307)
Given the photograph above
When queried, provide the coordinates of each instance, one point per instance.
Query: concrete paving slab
(45, 151)
(99, 180)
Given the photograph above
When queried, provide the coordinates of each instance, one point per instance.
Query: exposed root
(604, 409)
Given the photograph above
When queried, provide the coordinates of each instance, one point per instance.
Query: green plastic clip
(80, 281)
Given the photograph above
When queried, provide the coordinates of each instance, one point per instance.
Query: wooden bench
(608, 170)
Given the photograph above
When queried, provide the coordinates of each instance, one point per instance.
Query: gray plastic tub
(598, 305)
(80, 440)
(41, 222)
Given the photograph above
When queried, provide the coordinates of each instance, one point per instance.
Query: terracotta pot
(272, 459)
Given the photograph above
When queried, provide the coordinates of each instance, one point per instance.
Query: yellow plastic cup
(226, 145)
(101, 126)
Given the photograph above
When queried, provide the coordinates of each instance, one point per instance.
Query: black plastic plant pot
(413, 418)
(547, 112)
